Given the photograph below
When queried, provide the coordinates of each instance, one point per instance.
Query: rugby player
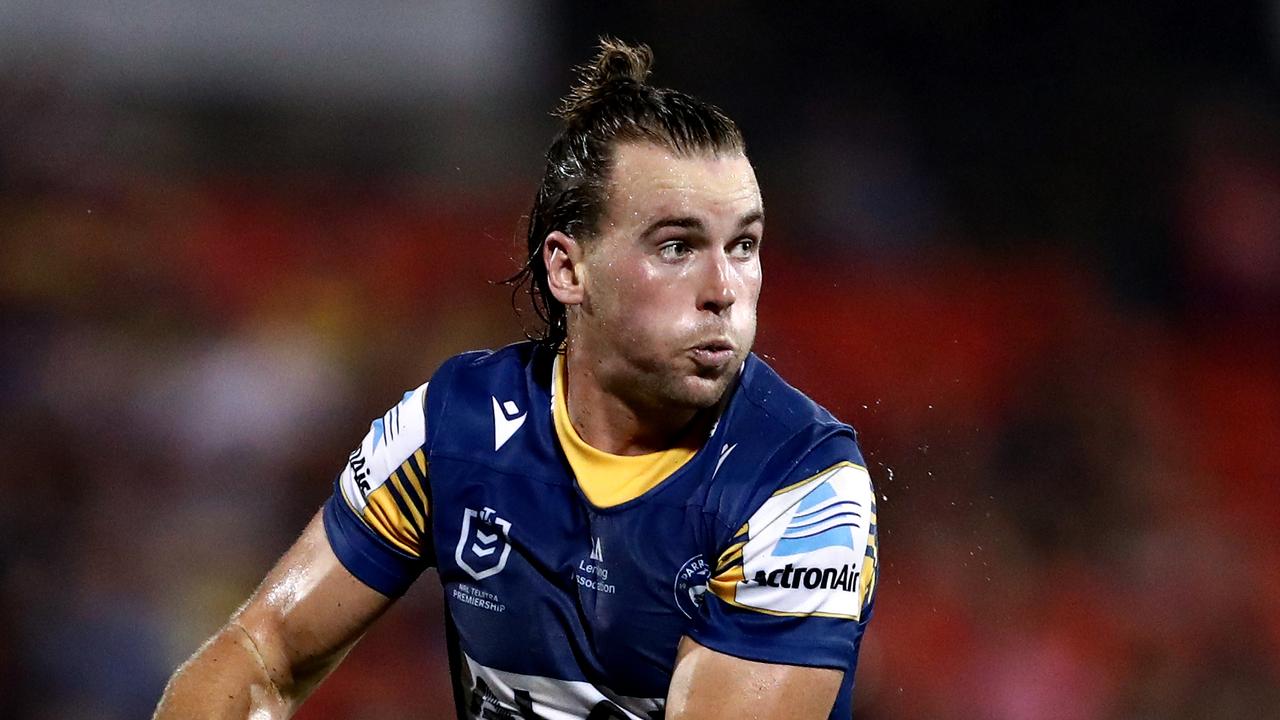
(631, 516)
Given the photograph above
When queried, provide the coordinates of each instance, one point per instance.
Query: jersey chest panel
(559, 610)
(541, 583)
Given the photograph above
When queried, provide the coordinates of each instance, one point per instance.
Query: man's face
(671, 280)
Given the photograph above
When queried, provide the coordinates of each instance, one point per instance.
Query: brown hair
(611, 103)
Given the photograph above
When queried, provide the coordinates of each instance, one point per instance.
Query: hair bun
(617, 63)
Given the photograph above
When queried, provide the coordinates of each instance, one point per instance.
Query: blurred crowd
(1035, 262)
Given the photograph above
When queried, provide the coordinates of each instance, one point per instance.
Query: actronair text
(844, 577)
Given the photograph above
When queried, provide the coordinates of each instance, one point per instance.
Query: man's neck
(609, 422)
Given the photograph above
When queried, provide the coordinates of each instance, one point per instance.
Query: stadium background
(1033, 254)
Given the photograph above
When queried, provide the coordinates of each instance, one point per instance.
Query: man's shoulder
(773, 436)
(516, 354)
(494, 370)
(488, 404)
(765, 398)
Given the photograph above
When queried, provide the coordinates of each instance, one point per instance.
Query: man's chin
(702, 391)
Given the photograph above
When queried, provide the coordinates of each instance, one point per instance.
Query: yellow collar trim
(607, 479)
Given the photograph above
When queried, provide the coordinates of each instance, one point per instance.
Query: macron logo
(507, 419)
(724, 453)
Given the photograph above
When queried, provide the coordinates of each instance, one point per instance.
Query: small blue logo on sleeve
(388, 425)
(822, 519)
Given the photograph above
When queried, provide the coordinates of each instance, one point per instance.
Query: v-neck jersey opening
(606, 480)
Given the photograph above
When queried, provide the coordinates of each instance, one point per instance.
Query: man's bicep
(713, 685)
(308, 612)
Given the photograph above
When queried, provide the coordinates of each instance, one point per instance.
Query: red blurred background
(1032, 254)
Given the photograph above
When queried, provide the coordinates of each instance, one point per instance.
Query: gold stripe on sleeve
(733, 553)
(725, 585)
(867, 582)
(418, 524)
(870, 568)
(420, 463)
(383, 515)
(411, 473)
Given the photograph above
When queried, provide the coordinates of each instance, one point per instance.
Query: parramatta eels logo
(483, 545)
(690, 584)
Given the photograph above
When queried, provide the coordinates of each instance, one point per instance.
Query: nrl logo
(482, 546)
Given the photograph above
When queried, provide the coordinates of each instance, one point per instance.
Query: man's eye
(674, 250)
(745, 247)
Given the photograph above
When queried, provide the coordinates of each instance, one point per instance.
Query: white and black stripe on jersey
(495, 693)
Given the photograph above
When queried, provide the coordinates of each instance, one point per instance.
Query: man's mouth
(713, 353)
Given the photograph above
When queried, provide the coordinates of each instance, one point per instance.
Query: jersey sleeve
(796, 582)
(376, 519)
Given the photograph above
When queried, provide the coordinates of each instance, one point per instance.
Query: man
(631, 516)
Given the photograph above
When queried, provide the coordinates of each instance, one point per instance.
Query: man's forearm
(292, 632)
(226, 679)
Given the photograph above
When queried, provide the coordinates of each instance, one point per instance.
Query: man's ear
(562, 256)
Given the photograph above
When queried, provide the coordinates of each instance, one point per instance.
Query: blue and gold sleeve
(377, 518)
(796, 581)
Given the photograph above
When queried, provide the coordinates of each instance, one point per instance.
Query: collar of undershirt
(607, 479)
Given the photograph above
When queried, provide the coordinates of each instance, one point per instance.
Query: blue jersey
(568, 600)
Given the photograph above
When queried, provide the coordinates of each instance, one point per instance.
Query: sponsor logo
(483, 544)
(844, 577)
(691, 585)
(822, 519)
(507, 419)
(804, 554)
(359, 470)
(592, 574)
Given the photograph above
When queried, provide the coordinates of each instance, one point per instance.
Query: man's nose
(719, 284)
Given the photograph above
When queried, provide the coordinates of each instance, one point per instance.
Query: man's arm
(781, 623)
(709, 685)
(294, 630)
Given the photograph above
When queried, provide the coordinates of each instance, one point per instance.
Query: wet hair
(612, 103)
